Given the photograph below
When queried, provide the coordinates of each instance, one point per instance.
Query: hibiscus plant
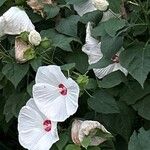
(74, 74)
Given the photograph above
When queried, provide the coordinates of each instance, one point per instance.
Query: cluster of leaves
(120, 103)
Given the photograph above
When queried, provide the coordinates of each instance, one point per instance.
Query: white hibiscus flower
(54, 94)
(2, 25)
(36, 131)
(17, 21)
(93, 49)
(81, 129)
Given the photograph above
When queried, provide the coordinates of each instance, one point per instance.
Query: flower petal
(31, 132)
(92, 46)
(17, 21)
(50, 74)
(100, 73)
(72, 98)
(84, 7)
(50, 102)
(119, 67)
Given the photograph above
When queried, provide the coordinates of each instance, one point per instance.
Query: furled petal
(2, 25)
(92, 46)
(50, 74)
(17, 21)
(84, 7)
(81, 129)
(31, 131)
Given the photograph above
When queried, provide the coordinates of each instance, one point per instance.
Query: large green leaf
(15, 72)
(59, 40)
(103, 102)
(68, 25)
(142, 106)
(136, 60)
(72, 147)
(140, 140)
(75, 1)
(2, 2)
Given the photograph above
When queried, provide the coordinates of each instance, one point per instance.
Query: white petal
(72, 98)
(17, 21)
(84, 7)
(100, 73)
(119, 67)
(92, 46)
(50, 74)
(31, 132)
(2, 25)
(50, 102)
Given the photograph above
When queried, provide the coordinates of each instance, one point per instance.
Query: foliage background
(120, 103)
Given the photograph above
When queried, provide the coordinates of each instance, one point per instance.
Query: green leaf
(2, 2)
(59, 40)
(80, 59)
(113, 25)
(14, 104)
(72, 147)
(142, 106)
(67, 67)
(140, 140)
(64, 138)
(112, 80)
(102, 102)
(51, 10)
(93, 148)
(136, 60)
(111, 45)
(68, 26)
(86, 142)
(75, 1)
(36, 63)
(93, 16)
(134, 92)
(15, 72)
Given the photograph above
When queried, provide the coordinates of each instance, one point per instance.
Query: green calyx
(29, 54)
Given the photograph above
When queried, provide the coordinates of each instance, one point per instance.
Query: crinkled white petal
(108, 15)
(31, 132)
(72, 97)
(50, 74)
(54, 105)
(17, 21)
(119, 67)
(2, 26)
(84, 7)
(92, 46)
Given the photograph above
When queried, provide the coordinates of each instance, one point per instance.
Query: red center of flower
(115, 59)
(62, 89)
(47, 124)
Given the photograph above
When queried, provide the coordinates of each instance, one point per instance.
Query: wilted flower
(93, 49)
(36, 131)
(34, 38)
(93, 129)
(37, 5)
(17, 21)
(91, 5)
(21, 51)
(54, 94)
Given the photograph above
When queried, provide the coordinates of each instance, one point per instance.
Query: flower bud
(24, 36)
(46, 43)
(93, 129)
(34, 38)
(82, 80)
(101, 5)
(23, 51)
